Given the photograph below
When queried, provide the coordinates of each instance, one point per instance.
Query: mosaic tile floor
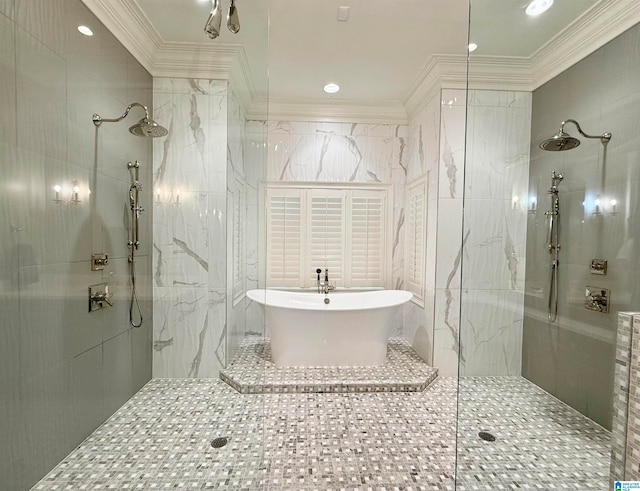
(253, 372)
(160, 439)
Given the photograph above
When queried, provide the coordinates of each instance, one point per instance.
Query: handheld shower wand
(553, 246)
(134, 242)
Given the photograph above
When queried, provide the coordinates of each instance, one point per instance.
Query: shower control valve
(99, 261)
(99, 297)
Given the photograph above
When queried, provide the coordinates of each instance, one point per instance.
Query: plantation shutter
(343, 229)
(284, 237)
(367, 238)
(415, 238)
(326, 234)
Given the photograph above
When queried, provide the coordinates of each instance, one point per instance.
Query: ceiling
(287, 50)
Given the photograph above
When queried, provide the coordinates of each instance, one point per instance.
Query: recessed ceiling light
(536, 7)
(85, 30)
(472, 47)
(331, 88)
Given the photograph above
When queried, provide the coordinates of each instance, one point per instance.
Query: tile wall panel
(605, 96)
(65, 370)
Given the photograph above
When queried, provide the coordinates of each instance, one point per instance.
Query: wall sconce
(65, 194)
(177, 202)
(515, 202)
(596, 203)
(614, 204)
(57, 189)
(76, 191)
(533, 205)
(158, 195)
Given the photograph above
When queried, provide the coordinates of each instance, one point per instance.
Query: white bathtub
(351, 330)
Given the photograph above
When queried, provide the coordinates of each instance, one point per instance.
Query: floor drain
(486, 436)
(219, 442)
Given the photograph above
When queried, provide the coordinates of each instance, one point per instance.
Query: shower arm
(604, 138)
(98, 120)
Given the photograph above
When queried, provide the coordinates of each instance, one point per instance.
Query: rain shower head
(563, 141)
(146, 127)
(560, 141)
(149, 128)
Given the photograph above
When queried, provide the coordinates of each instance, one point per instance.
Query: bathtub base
(328, 339)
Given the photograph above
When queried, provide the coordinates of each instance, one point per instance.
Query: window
(415, 239)
(339, 228)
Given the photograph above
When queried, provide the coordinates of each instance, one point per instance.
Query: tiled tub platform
(253, 372)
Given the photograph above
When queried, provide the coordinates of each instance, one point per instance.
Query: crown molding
(130, 26)
(322, 110)
(597, 26)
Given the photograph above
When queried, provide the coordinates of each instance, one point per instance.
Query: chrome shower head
(233, 21)
(563, 141)
(212, 27)
(559, 142)
(146, 127)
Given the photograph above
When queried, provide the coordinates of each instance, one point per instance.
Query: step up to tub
(253, 372)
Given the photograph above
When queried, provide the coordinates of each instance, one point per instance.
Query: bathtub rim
(256, 294)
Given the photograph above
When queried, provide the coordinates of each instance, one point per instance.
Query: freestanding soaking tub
(351, 330)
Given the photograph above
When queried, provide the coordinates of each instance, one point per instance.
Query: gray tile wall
(574, 358)
(63, 371)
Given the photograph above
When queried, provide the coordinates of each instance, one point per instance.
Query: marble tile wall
(64, 370)
(237, 187)
(495, 231)
(423, 159)
(190, 228)
(255, 153)
(344, 152)
(574, 358)
(486, 324)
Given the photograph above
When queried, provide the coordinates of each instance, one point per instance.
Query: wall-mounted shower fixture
(553, 246)
(563, 141)
(597, 299)
(134, 235)
(99, 297)
(99, 261)
(214, 22)
(146, 127)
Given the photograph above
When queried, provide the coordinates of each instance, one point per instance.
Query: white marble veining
(489, 268)
(190, 227)
(345, 152)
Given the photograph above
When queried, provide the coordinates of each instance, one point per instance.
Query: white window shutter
(284, 237)
(416, 238)
(326, 234)
(367, 238)
(318, 226)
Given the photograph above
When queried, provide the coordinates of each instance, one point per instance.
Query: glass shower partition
(548, 257)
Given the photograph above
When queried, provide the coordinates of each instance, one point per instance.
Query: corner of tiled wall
(632, 447)
(621, 395)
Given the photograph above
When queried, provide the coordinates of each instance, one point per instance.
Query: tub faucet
(323, 286)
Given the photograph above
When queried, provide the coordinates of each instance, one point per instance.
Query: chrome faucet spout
(323, 286)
